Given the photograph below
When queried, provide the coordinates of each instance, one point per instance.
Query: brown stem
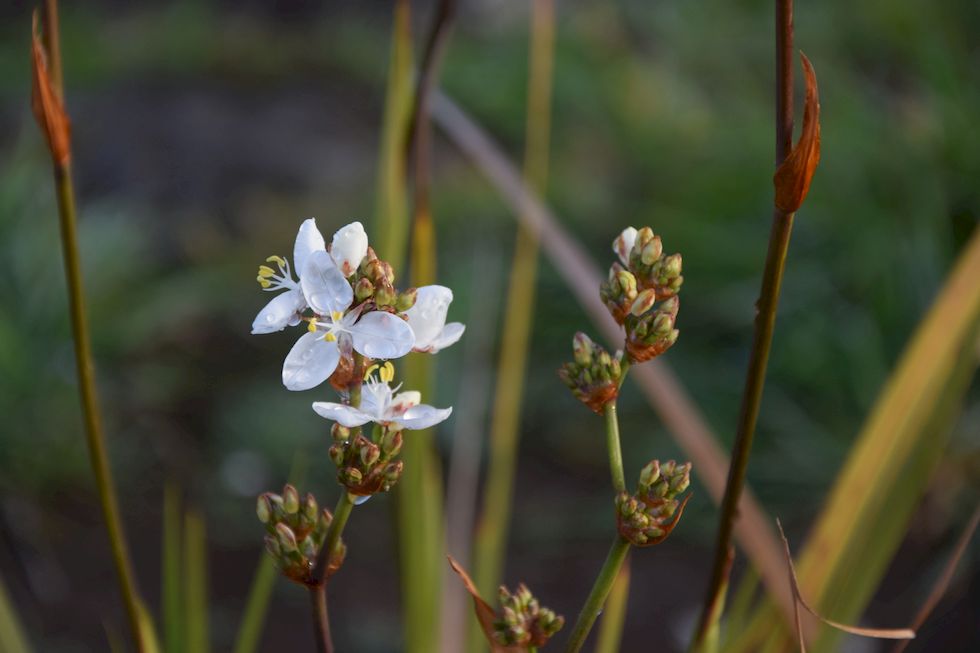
(321, 622)
(765, 321)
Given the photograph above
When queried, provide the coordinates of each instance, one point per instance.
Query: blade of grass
(13, 637)
(494, 522)
(195, 585)
(173, 609)
(391, 225)
(870, 505)
(420, 491)
(614, 614)
(661, 387)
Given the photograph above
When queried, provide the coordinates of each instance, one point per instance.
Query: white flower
(623, 244)
(427, 317)
(286, 309)
(315, 355)
(349, 247)
(380, 404)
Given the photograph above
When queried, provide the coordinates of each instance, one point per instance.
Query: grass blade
(13, 638)
(173, 611)
(493, 527)
(195, 585)
(872, 501)
(257, 606)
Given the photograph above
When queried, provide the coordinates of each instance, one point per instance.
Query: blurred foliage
(205, 131)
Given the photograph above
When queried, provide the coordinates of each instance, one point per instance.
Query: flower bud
(643, 302)
(363, 289)
(649, 515)
(290, 500)
(651, 251)
(263, 508)
(649, 474)
(286, 537)
(384, 294)
(406, 300)
(370, 453)
(582, 348)
(340, 434)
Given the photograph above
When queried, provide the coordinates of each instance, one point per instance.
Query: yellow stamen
(336, 316)
(265, 283)
(371, 369)
(387, 373)
(311, 327)
(266, 271)
(278, 260)
(329, 337)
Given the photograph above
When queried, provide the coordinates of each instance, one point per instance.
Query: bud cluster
(295, 531)
(366, 467)
(649, 515)
(594, 375)
(642, 278)
(522, 621)
(374, 281)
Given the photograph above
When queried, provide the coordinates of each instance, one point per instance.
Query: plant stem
(597, 597)
(772, 276)
(318, 589)
(321, 622)
(614, 614)
(84, 362)
(615, 450)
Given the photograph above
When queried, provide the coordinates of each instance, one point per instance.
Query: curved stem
(765, 322)
(597, 597)
(615, 450)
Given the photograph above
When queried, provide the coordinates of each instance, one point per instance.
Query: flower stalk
(597, 597)
(48, 105)
(772, 277)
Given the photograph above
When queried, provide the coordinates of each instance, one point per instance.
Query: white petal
(382, 335)
(308, 240)
(310, 362)
(324, 285)
(423, 416)
(428, 315)
(349, 247)
(344, 415)
(450, 333)
(283, 310)
(405, 400)
(624, 243)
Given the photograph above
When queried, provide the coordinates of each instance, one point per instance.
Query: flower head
(427, 317)
(380, 404)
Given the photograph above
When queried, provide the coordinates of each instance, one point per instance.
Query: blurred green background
(205, 131)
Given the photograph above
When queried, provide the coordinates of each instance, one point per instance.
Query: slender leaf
(13, 637)
(195, 585)
(614, 613)
(871, 504)
(173, 609)
(257, 606)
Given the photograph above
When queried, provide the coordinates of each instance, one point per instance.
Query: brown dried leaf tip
(792, 178)
(47, 107)
(522, 622)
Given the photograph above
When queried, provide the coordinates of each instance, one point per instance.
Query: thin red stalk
(772, 276)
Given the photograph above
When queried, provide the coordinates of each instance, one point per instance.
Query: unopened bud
(406, 300)
(643, 302)
(363, 289)
(627, 283)
(263, 508)
(582, 349)
(384, 294)
(286, 537)
(651, 251)
(370, 454)
(290, 500)
(310, 509)
(649, 474)
(671, 266)
(340, 434)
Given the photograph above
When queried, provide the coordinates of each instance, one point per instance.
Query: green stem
(597, 597)
(765, 322)
(614, 614)
(615, 449)
(95, 437)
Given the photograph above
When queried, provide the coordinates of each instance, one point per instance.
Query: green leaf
(13, 638)
(871, 504)
(171, 583)
(195, 584)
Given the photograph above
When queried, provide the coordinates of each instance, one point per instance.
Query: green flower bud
(290, 500)
(263, 508)
(286, 537)
(363, 289)
(406, 300)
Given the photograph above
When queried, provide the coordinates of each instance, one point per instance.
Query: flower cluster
(354, 316)
(295, 531)
(594, 375)
(642, 278)
(649, 515)
(522, 621)
(346, 296)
